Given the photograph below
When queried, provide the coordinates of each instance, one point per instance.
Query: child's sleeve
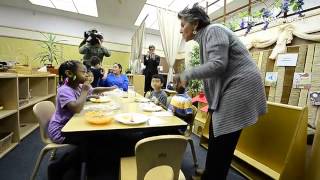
(65, 96)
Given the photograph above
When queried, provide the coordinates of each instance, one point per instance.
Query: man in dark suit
(151, 61)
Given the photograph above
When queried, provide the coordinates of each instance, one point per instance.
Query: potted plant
(195, 86)
(51, 52)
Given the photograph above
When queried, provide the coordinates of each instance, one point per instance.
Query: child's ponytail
(67, 65)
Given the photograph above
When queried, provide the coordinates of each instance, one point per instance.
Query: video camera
(93, 36)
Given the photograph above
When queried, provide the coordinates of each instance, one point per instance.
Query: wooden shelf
(27, 128)
(35, 100)
(203, 120)
(36, 75)
(13, 145)
(205, 135)
(20, 119)
(8, 75)
(263, 168)
(248, 171)
(204, 145)
(6, 113)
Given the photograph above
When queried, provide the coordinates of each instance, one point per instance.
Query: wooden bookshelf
(18, 94)
(6, 113)
(13, 145)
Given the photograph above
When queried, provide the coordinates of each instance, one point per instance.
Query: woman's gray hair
(195, 14)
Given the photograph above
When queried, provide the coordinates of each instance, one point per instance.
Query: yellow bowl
(99, 120)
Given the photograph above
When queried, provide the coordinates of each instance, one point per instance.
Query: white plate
(150, 107)
(131, 118)
(142, 100)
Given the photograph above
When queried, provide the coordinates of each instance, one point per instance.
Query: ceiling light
(87, 7)
(66, 5)
(46, 3)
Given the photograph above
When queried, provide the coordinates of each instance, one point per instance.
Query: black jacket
(151, 64)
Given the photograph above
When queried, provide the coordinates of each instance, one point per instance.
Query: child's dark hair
(181, 89)
(89, 71)
(71, 65)
(158, 76)
(95, 60)
(120, 67)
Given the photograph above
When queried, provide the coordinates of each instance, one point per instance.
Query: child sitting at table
(71, 96)
(96, 70)
(181, 104)
(157, 95)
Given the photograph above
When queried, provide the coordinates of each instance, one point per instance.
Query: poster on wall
(302, 80)
(315, 98)
(288, 59)
(271, 79)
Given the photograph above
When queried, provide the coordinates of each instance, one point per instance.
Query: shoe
(199, 172)
(196, 177)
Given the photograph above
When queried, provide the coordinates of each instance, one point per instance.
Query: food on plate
(100, 99)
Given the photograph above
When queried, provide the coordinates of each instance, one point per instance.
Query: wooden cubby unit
(18, 101)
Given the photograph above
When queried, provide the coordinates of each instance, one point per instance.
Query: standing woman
(151, 61)
(232, 85)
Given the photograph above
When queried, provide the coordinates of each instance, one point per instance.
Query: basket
(23, 69)
(5, 141)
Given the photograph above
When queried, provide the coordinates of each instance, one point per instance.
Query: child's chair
(43, 111)
(154, 160)
(188, 133)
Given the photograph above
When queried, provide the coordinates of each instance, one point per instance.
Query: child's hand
(114, 87)
(86, 86)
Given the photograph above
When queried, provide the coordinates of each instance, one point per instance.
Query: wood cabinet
(18, 94)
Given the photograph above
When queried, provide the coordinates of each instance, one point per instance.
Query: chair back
(44, 111)
(165, 150)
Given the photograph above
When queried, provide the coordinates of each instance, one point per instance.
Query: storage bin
(5, 141)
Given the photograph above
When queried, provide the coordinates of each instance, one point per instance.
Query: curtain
(169, 27)
(137, 42)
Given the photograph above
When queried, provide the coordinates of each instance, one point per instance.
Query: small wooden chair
(43, 111)
(154, 160)
(188, 133)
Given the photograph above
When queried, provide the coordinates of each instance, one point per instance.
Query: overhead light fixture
(46, 3)
(66, 5)
(150, 9)
(86, 7)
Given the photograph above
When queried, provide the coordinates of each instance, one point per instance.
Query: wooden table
(78, 126)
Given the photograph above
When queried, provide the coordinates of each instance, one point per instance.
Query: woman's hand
(105, 76)
(179, 81)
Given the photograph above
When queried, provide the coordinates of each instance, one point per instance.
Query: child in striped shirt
(181, 104)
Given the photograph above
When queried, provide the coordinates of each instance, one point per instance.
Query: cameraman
(92, 46)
